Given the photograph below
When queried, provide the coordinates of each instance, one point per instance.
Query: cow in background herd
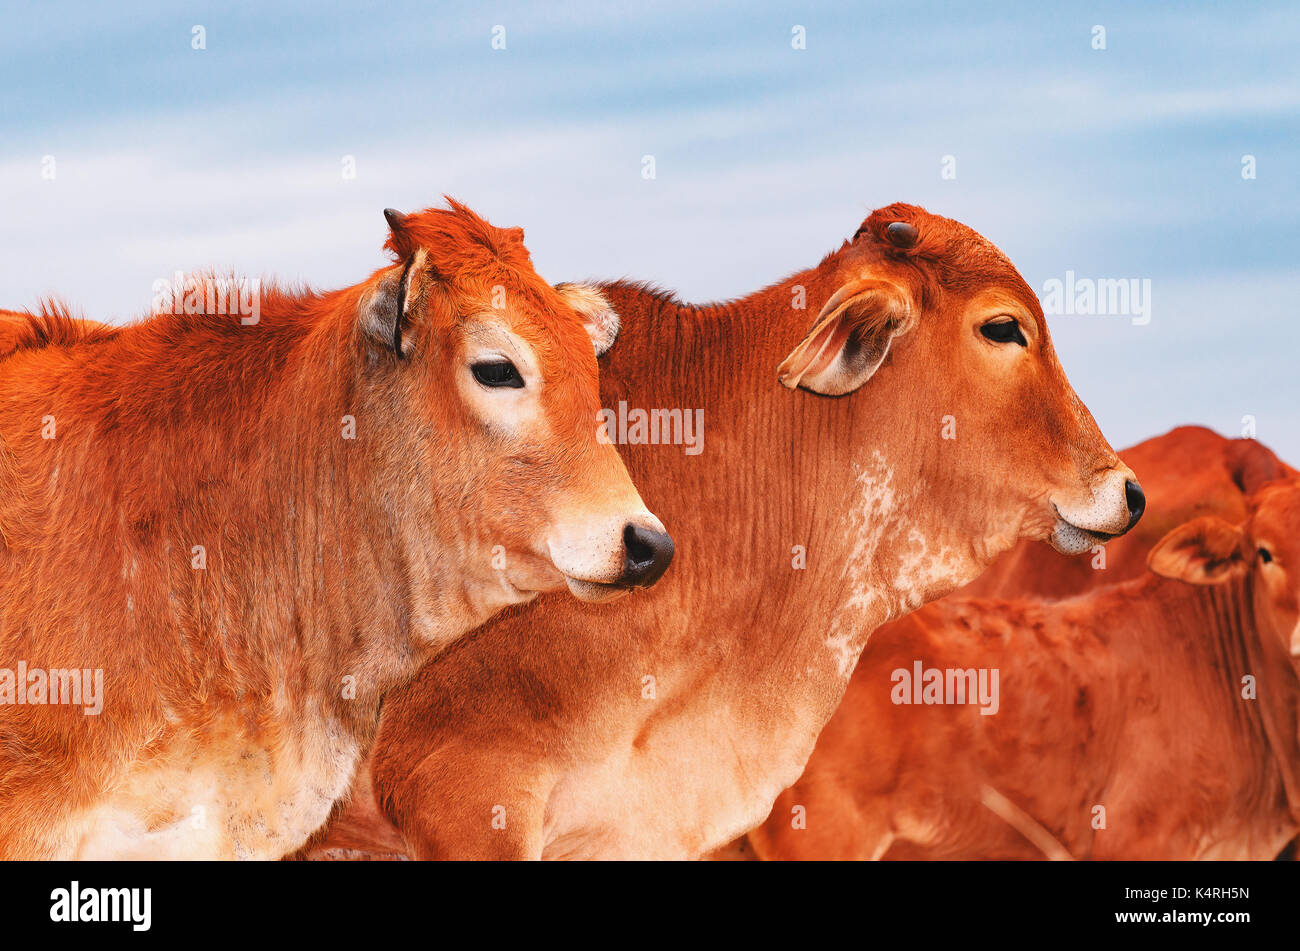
(663, 726)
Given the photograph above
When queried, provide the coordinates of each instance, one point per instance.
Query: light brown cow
(223, 537)
(1156, 719)
(1187, 472)
(664, 727)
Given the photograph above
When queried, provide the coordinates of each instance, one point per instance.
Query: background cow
(254, 528)
(1156, 719)
(669, 724)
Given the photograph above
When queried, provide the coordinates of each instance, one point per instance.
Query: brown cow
(1187, 472)
(223, 538)
(664, 727)
(1156, 719)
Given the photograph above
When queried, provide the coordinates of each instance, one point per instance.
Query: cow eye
(1265, 555)
(497, 373)
(1004, 331)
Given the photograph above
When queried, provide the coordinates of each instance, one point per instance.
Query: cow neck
(785, 476)
(363, 573)
(1211, 639)
(233, 438)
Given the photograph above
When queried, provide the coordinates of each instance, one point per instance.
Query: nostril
(646, 555)
(1136, 500)
(637, 551)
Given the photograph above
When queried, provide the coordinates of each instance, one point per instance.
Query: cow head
(930, 322)
(1265, 551)
(494, 375)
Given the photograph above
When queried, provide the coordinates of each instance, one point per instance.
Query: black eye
(1265, 555)
(499, 373)
(1004, 331)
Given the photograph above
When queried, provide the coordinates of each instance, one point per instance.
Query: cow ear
(384, 312)
(598, 316)
(1206, 550)
(849, 340)
(390, 310)
(1251, 465)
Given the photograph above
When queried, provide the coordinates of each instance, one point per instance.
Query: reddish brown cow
(1156, 719)
(1187, 472)
(223, 538)
(666, 726)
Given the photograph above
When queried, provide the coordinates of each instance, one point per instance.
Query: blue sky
(1116, 163)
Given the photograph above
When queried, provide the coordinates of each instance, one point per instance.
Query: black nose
(1137, 502)
(646, 556)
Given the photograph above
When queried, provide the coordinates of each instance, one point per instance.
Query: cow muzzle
(597, 568)
(1112, 507)
(647, 553)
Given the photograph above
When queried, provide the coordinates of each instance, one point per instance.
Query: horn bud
(901, 234)
(400, 241)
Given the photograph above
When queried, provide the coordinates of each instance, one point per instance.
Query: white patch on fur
(919, 572)
(868, 523)
(222, 797)
(887, 576)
